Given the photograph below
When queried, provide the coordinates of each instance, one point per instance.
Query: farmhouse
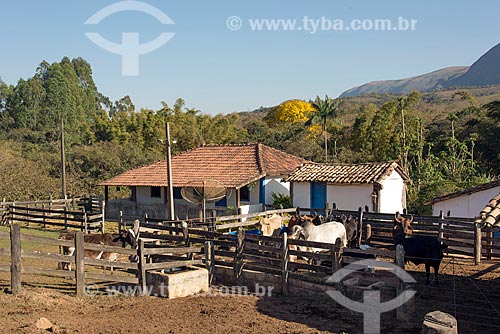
(466, 203)
(379, 186)
(250, 173)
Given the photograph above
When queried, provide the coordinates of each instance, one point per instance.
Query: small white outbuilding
(466, 203)
(379, 186)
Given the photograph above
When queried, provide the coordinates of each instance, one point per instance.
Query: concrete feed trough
(181, 282)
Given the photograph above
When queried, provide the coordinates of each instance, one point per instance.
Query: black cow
(351, 225)
(422, 249)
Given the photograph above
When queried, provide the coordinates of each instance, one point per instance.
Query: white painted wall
(468, 206)
(350, 196)
(144, 196)
(301, 194)
(391, 195)
(274, 185)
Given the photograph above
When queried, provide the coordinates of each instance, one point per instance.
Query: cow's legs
(436, 274)
(427, 272)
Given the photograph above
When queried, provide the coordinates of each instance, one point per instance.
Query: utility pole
(63, 161)
(170, 189)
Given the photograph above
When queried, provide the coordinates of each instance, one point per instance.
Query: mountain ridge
(485, 71)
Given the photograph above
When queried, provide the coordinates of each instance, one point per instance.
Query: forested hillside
(445, 140)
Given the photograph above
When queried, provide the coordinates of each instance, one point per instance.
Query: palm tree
(325, 108)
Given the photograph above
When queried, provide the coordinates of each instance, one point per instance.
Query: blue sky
(218, 70)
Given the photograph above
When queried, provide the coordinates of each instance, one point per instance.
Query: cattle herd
(343, 231)
(346, 231)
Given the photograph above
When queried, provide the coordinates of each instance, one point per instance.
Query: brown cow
(122, 239)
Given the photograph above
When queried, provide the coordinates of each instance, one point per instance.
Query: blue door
(318, 196)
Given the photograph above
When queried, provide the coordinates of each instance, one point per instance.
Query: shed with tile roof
(466, 203)
(250, 173)
(380, 186)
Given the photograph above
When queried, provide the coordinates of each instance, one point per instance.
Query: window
(245, 194)
(155, 192)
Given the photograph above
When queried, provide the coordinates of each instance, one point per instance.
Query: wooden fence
(184, 256)
(460, 234)
(273, 255)
(57, 217)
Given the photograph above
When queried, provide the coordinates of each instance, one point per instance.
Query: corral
(467, 290)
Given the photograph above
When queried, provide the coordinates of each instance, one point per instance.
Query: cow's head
(297, 232)
(270, 226)
(318, 219)
(402, 226)
(127, 237)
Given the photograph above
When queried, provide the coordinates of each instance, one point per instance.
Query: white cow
(326, 233)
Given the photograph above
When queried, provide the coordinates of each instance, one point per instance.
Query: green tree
(324, 109)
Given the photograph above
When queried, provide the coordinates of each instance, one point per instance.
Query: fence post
(210, 260)
(65, 217)
(103, 211)
(84, 221)
(142, 266)
(15, 258)
(368, 234)
(403, 310)
(120, 221)
(441, 226)
(238, 260)
(214, 220)
(13, 212)
(79, 264)
(284, 265)
(360, 226)
(336, 252)
(43, 218)
(477, 244)
(400, 256)
(185, 235)
(27, 215)
(489, 243)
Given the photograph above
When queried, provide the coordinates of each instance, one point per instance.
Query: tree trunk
(326, 140)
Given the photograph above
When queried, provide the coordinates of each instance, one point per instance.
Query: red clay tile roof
(490, 215)
(232, 165)
(374, 172)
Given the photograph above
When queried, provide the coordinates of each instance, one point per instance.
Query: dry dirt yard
(202, 314)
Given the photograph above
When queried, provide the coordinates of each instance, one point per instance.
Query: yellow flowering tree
(291, 111)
